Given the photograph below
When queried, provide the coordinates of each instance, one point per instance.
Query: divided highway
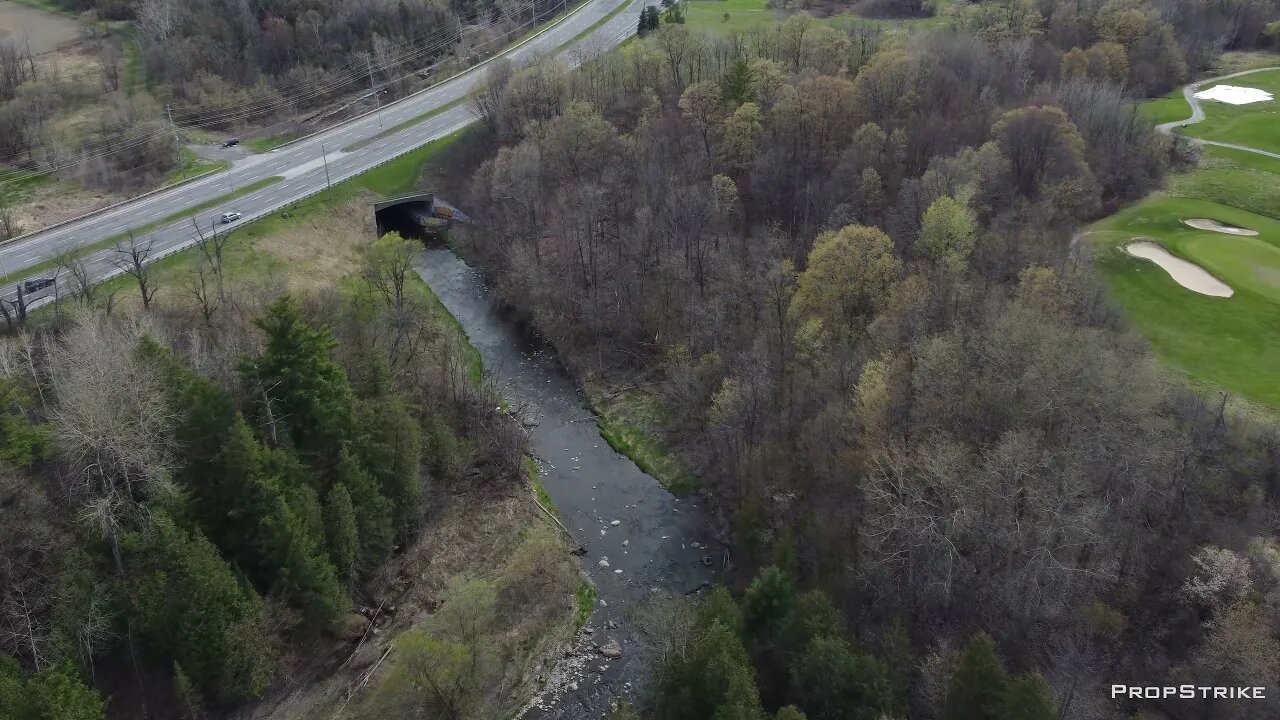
(301, 164)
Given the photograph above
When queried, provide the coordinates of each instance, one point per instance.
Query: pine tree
(203, 428)
(790, 712)
(977, 682)
(298, 552)
(373, 512)
(720, 607)
(832, 682)
(766, 602)
(189, 609)
(57, 694)
(299, 387)
(737, 82)
(391, 452)
(242, 501)
(812, 615)
(714, 675)
(1027, 697)
(340, 528)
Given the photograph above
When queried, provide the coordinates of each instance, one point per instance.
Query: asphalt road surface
(301, 164)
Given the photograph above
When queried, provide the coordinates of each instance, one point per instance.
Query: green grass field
(266, 144)
(710, 16)
(1227, 343)
(1166, 109)
(1256, 124)
(1233, 343)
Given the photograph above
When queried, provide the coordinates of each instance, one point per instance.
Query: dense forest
(842, 261)
(192, 503)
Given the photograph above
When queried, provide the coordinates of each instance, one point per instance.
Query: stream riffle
(652, 541)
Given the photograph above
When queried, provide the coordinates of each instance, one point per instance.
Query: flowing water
(652, 541)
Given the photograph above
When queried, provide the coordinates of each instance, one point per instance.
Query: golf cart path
(1197, 112)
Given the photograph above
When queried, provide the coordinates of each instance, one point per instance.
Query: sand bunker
(1215, 226)
(1188, 275)
(1232, 95)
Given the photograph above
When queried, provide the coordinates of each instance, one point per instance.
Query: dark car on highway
(231, 142)
(36, 285)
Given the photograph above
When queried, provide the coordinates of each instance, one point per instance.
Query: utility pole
(177, 144)
(373, 89)
(327, 182)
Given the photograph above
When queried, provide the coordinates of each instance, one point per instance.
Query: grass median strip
(50, 262)
(267, 144)
(193, 166)
(594, 26)
(406, 124)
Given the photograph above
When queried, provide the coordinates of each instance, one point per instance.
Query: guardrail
(117, 272)
(254, 217)
(113, 206)
(166, 188)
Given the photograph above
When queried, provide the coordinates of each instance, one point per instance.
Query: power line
(109, 148)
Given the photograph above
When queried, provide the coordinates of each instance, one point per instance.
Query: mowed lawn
(1233, 343)
(1166, 109)
(1255, 125)
(709, 16)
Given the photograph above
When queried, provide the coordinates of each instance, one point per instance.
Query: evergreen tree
(21, 442)
(650, 19)
(298, 553)
(304, 395)
(340, 527)
(55, 693)
(189, 609)
(244, 499)
(720, 607)
(713, 676)
(736, 85)
(281, 536)
(977, 682)
(766, 602)
(790, 712)
(812, 615)
(373, 512)
(391, 451)
(1027, 697)
(203, 428)
(674, 15)
(832, 682)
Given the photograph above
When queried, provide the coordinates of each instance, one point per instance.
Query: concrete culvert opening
(1215, 226)
(423, 216)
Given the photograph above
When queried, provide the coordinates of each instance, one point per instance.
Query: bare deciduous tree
(212, 248)
(198, 286)
(132, 258)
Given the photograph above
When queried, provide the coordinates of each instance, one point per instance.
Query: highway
(302, 164)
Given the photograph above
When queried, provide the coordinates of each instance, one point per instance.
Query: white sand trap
(1215, 226)
(1232, 95)
(1188, 275)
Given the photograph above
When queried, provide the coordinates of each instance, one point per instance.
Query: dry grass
(301, 256)
(50, 203)
(475, 532)
(320, 250)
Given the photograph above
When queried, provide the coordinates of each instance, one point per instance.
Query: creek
(638, 538)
